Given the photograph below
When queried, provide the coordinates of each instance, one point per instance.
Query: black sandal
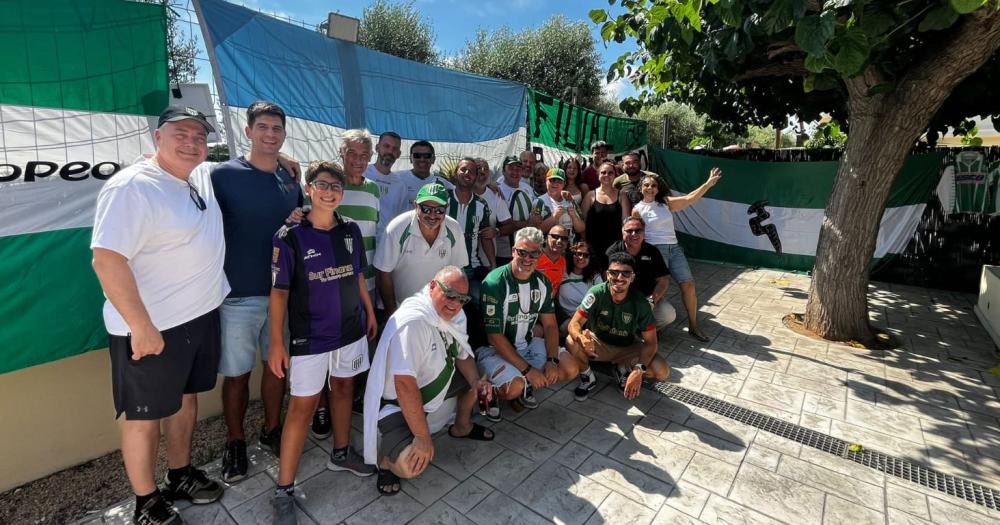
(477, 433)
(697, 334)
(385, 480)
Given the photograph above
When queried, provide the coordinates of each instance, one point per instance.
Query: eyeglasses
(196, 197)
(624, 274)
(525, 254)
(421, 155)
(452, 295)
(582, 255)
(633, 232)
(323, 185)
(559, 237)
(432, 210)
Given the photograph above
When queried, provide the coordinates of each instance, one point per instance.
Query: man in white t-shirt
(519, 198)
(414, 375)
(499, 213)
(158, 252)
(422, 158)
(390, 185)
(416, 245)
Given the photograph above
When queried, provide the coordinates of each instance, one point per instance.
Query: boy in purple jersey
(318, 279)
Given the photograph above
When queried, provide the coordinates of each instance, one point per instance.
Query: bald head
(449, 291)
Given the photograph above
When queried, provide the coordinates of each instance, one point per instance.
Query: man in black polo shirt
(650, 269)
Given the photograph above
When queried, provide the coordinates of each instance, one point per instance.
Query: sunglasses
(432, 210)
(196, 197)
(525, 254)
(323, 185)
(558, 237)
(452, 295)
(422, 155)
(582, 255)
(625, 274)
(633, 232)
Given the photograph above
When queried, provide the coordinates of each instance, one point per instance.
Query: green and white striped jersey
(472, 217)
(519, 205)
(511, 306)
(361, 205)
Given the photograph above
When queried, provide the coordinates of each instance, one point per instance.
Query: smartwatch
(640, 367)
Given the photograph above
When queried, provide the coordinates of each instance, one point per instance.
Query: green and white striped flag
(81, 87)
(717, 227)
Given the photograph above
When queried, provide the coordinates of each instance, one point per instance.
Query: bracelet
(526, 370)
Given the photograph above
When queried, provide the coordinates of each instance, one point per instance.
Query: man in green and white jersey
(473, 214)
(518, 197)
(361, 201)
(513, 298)
(621, 330)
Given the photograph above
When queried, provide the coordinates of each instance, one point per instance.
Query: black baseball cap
(510, 159)
(178, 113)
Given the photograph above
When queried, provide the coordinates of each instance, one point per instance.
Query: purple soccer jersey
(320, 270)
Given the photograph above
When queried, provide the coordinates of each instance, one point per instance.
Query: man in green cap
(416, 245)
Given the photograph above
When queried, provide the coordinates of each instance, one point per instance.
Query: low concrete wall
(988, 307)
(60, 414)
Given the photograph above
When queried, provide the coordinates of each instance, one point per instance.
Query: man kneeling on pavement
(412, 379)
(621, 331)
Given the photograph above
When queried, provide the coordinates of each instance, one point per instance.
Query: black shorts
(396, 434)
(152, 387)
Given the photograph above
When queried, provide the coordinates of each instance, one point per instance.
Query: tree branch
(794, 68)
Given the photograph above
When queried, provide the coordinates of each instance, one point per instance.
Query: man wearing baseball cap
(416, 245)
(158, 252)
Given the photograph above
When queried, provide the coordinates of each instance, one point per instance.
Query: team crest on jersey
(442, 252)
(349, 244)
(588, 301)
(491, 309)
(627, 317)
(536, 295)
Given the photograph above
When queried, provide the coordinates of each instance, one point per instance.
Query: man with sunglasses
(650, 269)
(473, 214)
(553, 260)
(423, 360)
(421, 158)
(159, 251)
(620, 331)
(416, 245)
(513, 298)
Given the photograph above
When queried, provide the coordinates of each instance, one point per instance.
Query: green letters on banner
(564, 126)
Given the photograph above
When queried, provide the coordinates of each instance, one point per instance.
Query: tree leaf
(967, 6)
(808, 83)
(599, 16)
(836, 4)
(608, 31)
(875, 23)
(778, 16)
(941, 17)
(852, 53)
(817, 63)
(814, 32)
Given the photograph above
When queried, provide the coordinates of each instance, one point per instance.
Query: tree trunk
(883, 129)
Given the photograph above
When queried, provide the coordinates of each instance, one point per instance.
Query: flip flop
(698, 335)
(387, 479)
(477, 433)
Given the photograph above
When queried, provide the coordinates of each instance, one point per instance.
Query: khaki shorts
(620, 355)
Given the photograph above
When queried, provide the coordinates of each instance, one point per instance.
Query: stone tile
(500, 509)
(613, 397)
(721, 426)
(670, 409)
(672, 516)
(778, 444)
(524, 442)
(429, 486)
(889, 422)
(724, 449)
(246, 489)
(843, 466)
(878, 441)
(631, 483)
(815, 371)
(554, 422)
(689, 376)
(467, 494)
(312, 462)
(441, 513)
(835, 389)
(762, 374)
(214, 514)
(776, 396)
(655, 456)
(396, 509)
(832, 482)
(906, 500)
(462, 457)
(762, 457)
(258, 511)
(841, 511)
(779, 497)
(617, 509)
(825, 406)
(572, 455)
(653, 424)
(554, 491)
(710, 473)
(791, 417)
(506, 471)
(721, 511)
(600, 436)
(688, 498)
(730, 385)
(336, 495)
(898, 517)
(946, 512)
(563, 397)
(818, 423)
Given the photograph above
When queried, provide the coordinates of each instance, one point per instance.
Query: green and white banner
(768, 214)
(81, 87)
(558, 130)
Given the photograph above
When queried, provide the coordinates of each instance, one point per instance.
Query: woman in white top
(574, 184)
(657, 208)
(581, 274)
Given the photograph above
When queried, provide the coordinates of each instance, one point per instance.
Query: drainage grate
(900, 468)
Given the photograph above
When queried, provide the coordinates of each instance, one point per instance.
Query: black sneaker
(271, 440)
(321, 427)
(156, 511)
(195, 487)
(588, 382)
(621, 376)
(493, 412)
(528, 397)
(234, 461)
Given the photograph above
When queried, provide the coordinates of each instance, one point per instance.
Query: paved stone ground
(656, 460)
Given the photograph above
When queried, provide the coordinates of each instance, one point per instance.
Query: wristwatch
(526, 370)
(640, 367)
(553, 360)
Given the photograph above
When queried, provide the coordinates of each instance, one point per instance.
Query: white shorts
(308, 373)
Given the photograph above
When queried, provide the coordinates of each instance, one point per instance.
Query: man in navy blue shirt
(255, 194)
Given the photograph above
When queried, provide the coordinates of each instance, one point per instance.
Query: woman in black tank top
(603, 214)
